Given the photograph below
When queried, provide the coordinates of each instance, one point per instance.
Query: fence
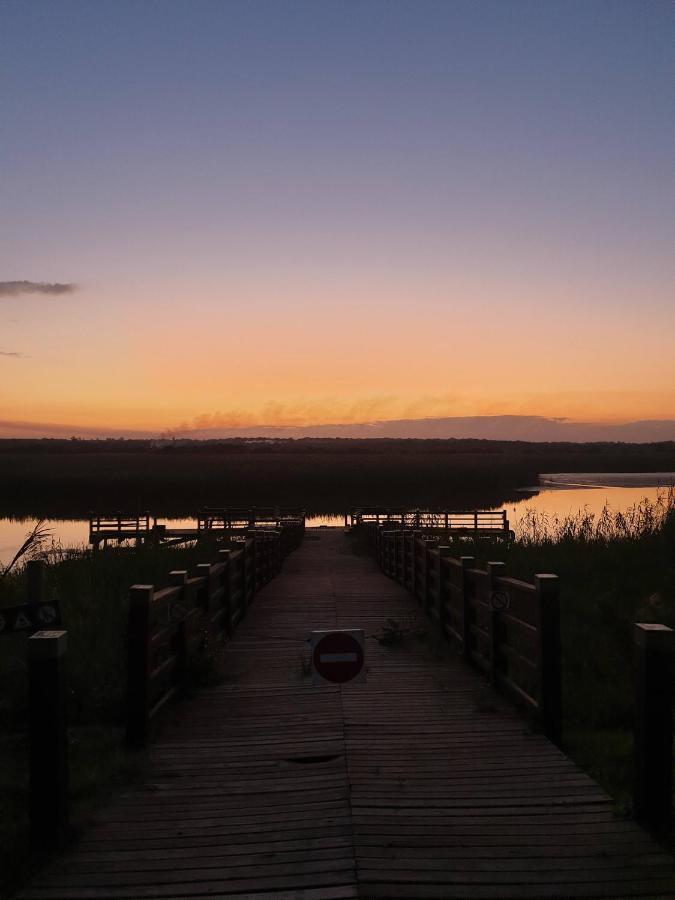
(234, 518)
(469, 523)
(166, 625)
(510, 629)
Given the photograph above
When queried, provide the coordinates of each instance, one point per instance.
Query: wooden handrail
(508, 628)
(166, 624)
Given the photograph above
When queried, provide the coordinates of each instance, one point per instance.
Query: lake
(557, 494)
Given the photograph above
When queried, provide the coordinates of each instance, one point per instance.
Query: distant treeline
(62, 478)
(614, 449)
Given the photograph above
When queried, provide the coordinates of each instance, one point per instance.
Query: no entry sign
(338, 656)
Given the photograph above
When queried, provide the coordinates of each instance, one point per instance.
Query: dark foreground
(419, 783)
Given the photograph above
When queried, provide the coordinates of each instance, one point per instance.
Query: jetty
(434, 777)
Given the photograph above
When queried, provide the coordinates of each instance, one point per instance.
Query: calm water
(559, 494)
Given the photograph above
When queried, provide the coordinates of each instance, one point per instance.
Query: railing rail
(491, 523)
(139, 523)
(508, 628)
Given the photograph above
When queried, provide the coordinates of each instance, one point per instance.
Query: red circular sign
(338, 657)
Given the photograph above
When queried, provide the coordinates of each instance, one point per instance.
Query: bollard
(138, 665)
(467, 562)
(441, 584)
(48, 738)
(549, 653)
(494, 570)
(653, 784)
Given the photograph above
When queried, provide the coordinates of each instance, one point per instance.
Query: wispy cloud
(13, 353)
(15, 288)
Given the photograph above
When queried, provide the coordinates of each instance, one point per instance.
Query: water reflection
(558, 495)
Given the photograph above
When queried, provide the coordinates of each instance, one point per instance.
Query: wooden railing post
(138, 665)
(224, 557)
(48, 738)
(653, 785)
(203, 570)
(549, 655)
(250, 567)
(426, 583)
(178, 578)
(389, 551)
(494, 570)
(415, 555)
(467, 562)
(400, 556)
(443, 551)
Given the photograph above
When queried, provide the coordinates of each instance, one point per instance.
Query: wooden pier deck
(419, 783)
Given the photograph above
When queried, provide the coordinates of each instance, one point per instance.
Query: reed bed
(616, 568)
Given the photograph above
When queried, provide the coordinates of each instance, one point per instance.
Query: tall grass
(615, 569)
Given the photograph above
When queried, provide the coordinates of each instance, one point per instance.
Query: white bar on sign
(337, 657)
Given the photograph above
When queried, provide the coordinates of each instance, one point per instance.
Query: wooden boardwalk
(419, 783)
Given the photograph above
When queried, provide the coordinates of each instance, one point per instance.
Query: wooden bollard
(442, 594)
(203, 570)
(549, 656)
(138, 665)
(226, 581)
(467, 562)
(653, 784)
(48, 737)
(178, 578)
(494, 570)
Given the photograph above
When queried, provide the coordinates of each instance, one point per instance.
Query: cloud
(13, 353)
(14, 288)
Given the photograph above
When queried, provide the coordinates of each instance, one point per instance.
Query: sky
(219, 214)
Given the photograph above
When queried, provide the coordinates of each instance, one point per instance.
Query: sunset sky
(287, 212)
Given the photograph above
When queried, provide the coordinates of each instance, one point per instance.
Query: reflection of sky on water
(566, 498)
(568, 502)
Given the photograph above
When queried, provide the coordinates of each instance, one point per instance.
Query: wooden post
(413, 576)
(653, 785)
(178, 578)
(224, 557)
(390, 539)
(203, 570)
(440, 585)
(251, 571)
(48, 737)
(494, 570)
(467, 562)
(138, 665)
(549, 662)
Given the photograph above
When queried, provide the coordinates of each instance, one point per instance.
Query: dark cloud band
(15, 288)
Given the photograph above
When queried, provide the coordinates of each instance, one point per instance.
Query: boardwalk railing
(120, 523)
(470, 523)
(510, 629)
(232, 518)
(210, 522)
(166, 625)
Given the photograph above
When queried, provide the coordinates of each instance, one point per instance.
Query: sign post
(338, 656)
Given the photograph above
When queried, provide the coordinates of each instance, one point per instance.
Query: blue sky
(485, 162)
